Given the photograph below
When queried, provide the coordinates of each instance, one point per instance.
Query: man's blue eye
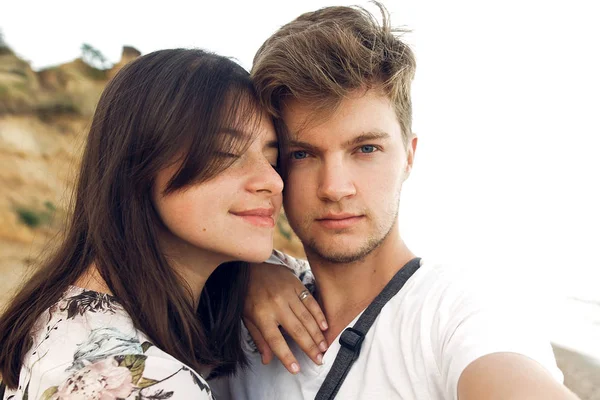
(299, 155)
(367, 148)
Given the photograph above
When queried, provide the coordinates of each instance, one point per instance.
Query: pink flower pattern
(102, 380)
(110, 359)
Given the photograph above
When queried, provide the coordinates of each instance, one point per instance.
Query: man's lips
(262, 217)
(339, 221)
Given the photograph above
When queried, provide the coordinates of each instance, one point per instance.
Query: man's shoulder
(446, 292)
(434, 292)
(434, 277)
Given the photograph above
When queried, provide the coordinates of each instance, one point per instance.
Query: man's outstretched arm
(508, 376)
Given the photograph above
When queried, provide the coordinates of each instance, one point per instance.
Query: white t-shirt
(417, 348)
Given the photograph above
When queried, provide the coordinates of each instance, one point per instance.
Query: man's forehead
(301, 117)
(364, 109)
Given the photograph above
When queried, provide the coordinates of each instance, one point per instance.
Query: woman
(178, 177)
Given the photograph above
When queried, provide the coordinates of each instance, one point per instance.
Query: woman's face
(231, 216)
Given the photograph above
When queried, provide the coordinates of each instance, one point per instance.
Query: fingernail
(295, 368)
(324, 325)
(320, 359)
(323, 346)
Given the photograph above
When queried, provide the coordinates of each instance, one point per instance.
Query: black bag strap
(2, 389)
(352, 338)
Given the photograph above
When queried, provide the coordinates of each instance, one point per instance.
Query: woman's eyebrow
(233, 131)
(272, 144)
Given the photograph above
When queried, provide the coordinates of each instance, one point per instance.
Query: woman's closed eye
(274, 163)
(271, 155)
(224, 154)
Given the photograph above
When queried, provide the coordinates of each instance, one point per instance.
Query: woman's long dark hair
(167, 106)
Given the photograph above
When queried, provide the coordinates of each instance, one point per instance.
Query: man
(338, 85)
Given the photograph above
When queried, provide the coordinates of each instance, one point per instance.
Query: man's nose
(335, 181)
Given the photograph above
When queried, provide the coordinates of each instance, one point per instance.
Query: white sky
(506, 104)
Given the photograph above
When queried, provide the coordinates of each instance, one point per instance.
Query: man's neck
(345, 290)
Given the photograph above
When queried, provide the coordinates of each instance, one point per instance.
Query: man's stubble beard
(311, 246)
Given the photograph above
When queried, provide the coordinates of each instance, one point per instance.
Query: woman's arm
(274, 301)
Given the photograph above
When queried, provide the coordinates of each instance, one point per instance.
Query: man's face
(345, 175)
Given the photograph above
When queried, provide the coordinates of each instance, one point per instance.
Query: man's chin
(340, 258)
(342, 250)
(340, 254)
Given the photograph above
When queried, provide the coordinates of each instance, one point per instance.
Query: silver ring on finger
(304, 295)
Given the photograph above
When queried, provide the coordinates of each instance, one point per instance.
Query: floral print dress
(86, 347)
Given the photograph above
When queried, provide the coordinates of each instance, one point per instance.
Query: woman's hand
(274, 300)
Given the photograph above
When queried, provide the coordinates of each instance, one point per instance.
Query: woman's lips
(261, 217)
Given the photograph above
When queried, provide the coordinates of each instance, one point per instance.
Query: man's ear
(410, 153)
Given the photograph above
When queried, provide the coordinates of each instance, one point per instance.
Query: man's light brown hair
(324, 55)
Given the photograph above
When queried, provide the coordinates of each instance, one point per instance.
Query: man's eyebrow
(303, 145)
(364, 137)
(367, 136)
